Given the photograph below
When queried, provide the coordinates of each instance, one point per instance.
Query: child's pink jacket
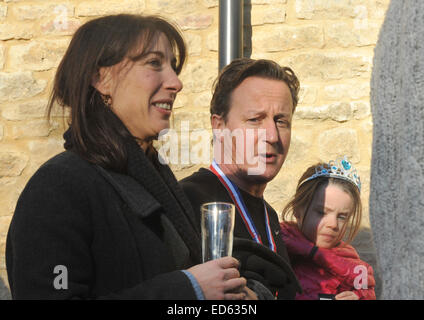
(328, 271)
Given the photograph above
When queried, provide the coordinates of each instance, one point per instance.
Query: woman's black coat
(109, 235)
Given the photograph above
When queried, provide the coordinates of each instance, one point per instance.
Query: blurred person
(397, 165)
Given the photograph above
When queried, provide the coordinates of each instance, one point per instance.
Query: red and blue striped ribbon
(239, 203)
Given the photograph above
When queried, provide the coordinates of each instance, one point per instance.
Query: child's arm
(336, 261)
(354, 272)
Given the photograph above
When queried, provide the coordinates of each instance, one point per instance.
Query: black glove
(262, 264)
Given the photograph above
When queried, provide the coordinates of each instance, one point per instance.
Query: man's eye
(283, 123)
(154, 62)
(253, 120)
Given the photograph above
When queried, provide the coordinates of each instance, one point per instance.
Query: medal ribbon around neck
(238, 201)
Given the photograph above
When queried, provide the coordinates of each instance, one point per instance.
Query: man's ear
(217, 122)
(103, 81)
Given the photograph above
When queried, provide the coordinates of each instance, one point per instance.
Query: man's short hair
(240, 69)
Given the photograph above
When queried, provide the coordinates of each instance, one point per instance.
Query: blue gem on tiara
(346, 165)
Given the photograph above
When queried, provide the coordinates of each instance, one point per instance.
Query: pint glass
(217, 223)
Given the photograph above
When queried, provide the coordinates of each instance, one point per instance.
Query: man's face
(260, 112)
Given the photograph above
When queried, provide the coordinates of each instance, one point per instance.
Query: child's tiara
(340, 168)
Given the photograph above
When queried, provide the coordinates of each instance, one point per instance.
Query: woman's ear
(102, 81)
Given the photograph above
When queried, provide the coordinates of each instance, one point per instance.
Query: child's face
(329, 211)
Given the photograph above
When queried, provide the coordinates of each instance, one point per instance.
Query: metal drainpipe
(230, 31)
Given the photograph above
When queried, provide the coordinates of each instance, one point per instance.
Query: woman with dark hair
(105, 219)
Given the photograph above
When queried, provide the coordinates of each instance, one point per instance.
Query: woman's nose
(173, 82)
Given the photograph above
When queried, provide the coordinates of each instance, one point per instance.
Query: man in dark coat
(253, 99)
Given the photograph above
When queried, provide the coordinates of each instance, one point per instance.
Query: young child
(326, 205)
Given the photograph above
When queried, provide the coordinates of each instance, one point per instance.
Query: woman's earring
(107, 100)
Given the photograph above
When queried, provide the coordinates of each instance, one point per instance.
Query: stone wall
(329, 44)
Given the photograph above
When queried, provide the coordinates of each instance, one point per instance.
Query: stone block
(42, 150)
(281, 188)
(361, 109)
(339, 112)
(3, 11)
(181, 101)
(346, 91)
(337, 142)
(318, 66)
(12, 163)
(284, 38)
(100, 8)
(32, 129)
(300, 148)
(194, 43)
(215, 3)
(38, 55)
(195, 21)
(351, 33)
(4, 286)
(19, 85)
(25, 110)
(1, 132)
(199, 75)
(366, 127)
(211, 3)
(377, 9)
(212, 41)
(2, 56)
(192, 120)
(307, 95)
(328, 9)
(172, 6)
(60, 27)
(203, 99)
(39, 11)
(268, 1)
(4, 224)
(15, 30)
(268, 15)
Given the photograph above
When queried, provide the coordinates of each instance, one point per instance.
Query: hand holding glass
(217, 223)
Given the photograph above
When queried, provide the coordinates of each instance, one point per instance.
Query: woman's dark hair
(238, 70)
(96, 133)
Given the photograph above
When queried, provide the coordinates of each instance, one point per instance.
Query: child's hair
(305, 191)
